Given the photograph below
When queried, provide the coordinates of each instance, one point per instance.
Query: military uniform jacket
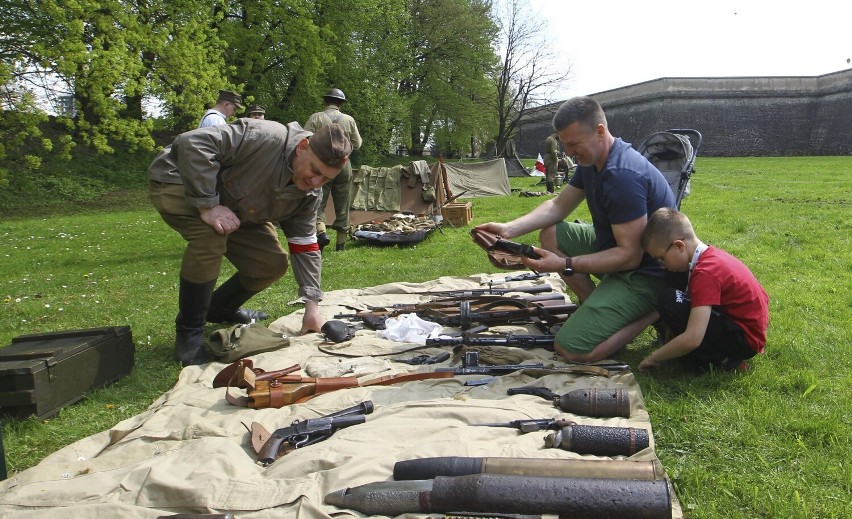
(332, 114)
(245, 166)
(551, 151)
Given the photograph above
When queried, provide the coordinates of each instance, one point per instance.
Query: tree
(450, 59)
(530, 71)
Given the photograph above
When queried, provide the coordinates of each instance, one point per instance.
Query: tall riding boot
(549, 186)
(193, 300)
(226, 301)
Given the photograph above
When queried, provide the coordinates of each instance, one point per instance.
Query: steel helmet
(335, 93)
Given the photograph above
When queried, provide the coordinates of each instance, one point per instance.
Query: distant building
(65, 106)
(738, 116)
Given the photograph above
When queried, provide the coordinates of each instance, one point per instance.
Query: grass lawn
(772, 442)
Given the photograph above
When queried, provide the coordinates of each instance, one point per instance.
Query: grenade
(596, 402)
(599, 440)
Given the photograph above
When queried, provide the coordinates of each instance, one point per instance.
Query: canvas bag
(242, 340)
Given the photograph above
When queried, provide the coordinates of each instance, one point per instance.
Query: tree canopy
(420, 73)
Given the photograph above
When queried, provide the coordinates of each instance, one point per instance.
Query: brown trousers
(253, 249)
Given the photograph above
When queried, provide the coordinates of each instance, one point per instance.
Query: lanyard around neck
(699, 249)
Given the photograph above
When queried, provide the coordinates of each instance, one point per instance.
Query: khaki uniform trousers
(253, 249)
(340, 188)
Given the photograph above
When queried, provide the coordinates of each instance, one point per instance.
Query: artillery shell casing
(390, 498)
(600, 440)
(429, 468)
(596, 402)
(589, 498)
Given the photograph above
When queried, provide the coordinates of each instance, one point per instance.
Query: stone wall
(746, 116)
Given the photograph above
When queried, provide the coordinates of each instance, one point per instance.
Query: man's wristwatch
(569, 269)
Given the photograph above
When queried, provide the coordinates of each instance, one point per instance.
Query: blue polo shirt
(628, 187)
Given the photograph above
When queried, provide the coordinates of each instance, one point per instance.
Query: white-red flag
(539, 164)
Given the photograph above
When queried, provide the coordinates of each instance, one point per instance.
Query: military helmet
(335, 93)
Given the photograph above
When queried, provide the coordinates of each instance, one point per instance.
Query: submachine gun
(302, 433)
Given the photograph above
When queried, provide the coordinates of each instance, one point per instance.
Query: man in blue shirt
(621, 189)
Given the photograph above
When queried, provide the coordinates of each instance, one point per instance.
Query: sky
(616, 43)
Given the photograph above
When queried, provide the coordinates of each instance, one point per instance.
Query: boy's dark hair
(583, 109)
(666, 225)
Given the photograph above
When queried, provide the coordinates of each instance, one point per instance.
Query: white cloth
(410, 328)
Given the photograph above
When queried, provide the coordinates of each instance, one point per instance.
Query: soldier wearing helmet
(341, 186)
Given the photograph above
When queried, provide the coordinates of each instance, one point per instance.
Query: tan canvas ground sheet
(190, 451)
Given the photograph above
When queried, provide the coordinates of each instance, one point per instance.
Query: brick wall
(759, 116)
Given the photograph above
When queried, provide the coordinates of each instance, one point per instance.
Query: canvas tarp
(380, 192)
(478, 179)
(514, 167)
(190, 451)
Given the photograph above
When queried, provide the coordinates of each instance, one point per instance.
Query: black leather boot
(193, 300)
(323, 240)
(549, 186)
(226, 301)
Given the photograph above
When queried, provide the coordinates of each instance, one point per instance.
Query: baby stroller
(673, 152)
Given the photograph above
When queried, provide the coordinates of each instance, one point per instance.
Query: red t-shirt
(725, 283)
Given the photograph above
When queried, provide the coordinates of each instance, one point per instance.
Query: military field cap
(233, 97)
(330, 144)
(256, 109)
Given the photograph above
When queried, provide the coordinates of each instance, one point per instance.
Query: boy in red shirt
(722, 317)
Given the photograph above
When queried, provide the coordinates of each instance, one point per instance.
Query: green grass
(773, 442)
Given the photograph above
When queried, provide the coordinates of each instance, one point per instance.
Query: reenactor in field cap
(226, 106)
(340, 188)
(256, 112)
(266, 174)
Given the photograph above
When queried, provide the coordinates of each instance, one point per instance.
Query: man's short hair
(666, 225)
(583, 109)
(331, 145)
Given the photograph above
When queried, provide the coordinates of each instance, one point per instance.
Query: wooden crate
(457, 214)
(42, 373)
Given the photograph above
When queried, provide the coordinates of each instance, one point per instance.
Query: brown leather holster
(499, 258)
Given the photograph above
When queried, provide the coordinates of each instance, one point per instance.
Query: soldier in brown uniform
(223, 188)
(551, 160)
(341, 186)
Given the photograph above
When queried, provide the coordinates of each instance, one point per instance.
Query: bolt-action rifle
(442, 309)
(468, 317)
(518, 341)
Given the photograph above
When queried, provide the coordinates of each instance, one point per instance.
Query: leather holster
(499, 258)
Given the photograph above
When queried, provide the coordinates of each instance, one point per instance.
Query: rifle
(527, 276)
(307, 432)
(531, 425)
(548, 315)
(467, 292)
(519, 341)
(375, 317)
(604, 403)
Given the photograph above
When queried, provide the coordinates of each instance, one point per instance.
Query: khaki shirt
(245, 166)
(332, 114)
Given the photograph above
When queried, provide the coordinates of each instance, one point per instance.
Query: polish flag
(539, 164)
